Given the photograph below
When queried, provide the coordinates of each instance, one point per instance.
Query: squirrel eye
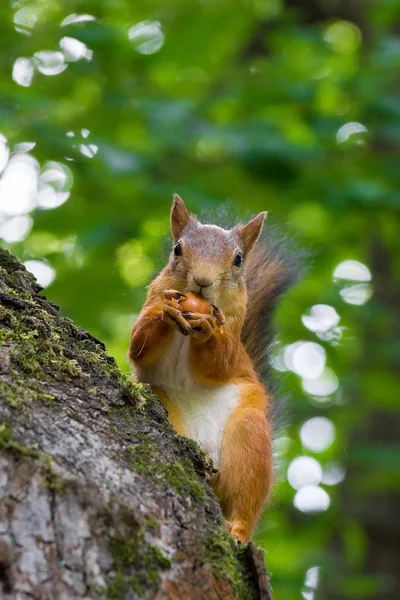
(238, 260)
(178, 249)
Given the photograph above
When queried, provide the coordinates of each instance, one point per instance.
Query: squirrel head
(207, 259)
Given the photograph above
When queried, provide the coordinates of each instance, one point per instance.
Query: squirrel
(207, 367)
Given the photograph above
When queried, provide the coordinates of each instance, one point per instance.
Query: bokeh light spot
(88, 150)
(23, 71)
(55, 183)
(308, 360)
(312, 578)
(317, 434)
(75, 50)
(349, 129)
(352, 270)
(344, 37)
(304, 470)
(24, 146)
(26, 18)
(15, 229)
(321, 318)
(147, 37)
(357, 294)
(333, 474)
(311, 498)
(288, 352)
(49, 62)
(325, 384)
(44, 273)
(19, 184)
(75, 18)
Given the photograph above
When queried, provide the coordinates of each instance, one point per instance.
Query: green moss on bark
(18, 395)
(10, 263)
(225, 557)
(181, 476)
(53, 481)
(7, 444)
(135, 554)
(45, 346)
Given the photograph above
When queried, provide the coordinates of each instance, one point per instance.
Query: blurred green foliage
(293, 108)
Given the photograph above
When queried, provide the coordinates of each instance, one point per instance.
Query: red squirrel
(206, 365)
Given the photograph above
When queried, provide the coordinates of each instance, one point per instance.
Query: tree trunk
(98, 497)
(375, 434)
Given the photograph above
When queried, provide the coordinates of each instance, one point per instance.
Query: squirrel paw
(172, 313)
(202, 326)
(239, 532)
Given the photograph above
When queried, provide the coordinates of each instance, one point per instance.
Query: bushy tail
(271, 269)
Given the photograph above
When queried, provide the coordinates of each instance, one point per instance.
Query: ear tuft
(250, 232)
(180, 217)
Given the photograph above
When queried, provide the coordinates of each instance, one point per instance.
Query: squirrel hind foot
(239, 532)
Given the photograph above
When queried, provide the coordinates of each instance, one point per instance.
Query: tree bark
(98, 497)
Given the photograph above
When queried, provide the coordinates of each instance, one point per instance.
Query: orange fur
(222, 347)
(246, 473)
(216, 357)
(149, 337)
(150, 333)
(175, 416)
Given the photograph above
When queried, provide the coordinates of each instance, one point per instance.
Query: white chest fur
(205, 409)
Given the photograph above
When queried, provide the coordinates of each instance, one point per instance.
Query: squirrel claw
(219, 315)
(228, 525)
(173, 295)
(200, 326)
(232, 530)
(173, 316)
(239, 533)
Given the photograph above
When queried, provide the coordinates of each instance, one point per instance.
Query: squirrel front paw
(172, 313)
(202, 326)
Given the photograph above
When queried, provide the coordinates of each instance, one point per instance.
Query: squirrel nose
(203, 281)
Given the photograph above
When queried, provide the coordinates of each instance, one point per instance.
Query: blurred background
(109, 107)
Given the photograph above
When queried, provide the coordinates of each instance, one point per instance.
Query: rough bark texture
(98, 497)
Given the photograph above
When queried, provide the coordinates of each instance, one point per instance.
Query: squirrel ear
(250, 232)
(180, 217)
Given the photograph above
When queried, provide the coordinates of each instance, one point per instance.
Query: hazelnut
(193, 303)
